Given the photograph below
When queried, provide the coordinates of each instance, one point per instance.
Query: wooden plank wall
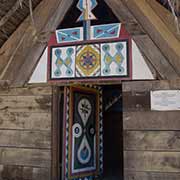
(25, 133)
(151, 138)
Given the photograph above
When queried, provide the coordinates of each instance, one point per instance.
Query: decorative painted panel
(83, 150)
(98, 53)
(91, 62)
(63, 62)
(106, 31)
(88, 60)
(69, 35)
(114, 59)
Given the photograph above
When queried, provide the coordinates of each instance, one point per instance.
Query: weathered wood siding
(151, 138)
(25, 133)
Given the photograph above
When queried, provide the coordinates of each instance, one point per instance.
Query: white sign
(166, 100)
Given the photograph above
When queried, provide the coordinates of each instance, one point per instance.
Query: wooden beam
(166, 16)
(18, 64)
(125, 17)
(55, 129)
(143, 41)
(157, 30)
(156, 58)
(5, 18)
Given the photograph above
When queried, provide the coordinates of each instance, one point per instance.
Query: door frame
(57, 97)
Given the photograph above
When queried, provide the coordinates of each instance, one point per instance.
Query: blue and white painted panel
(69, 35)
(86, 8)
(63, 62)
(106, 31)
(114, 60)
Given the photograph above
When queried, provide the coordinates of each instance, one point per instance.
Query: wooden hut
(134, 127)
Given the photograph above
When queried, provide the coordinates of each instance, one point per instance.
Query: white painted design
(140, 67)
(112, 51)
(77, 130)
(84, 109)
(84, 152)
(40, 73)
(64, 67)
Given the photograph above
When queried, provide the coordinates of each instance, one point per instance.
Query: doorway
(112, 133)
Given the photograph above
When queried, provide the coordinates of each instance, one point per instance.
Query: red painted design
(99, 30)
(112, 32)
(74, 33)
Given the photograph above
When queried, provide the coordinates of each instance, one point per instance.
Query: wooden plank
(25, 139)
(151, 120)
(24, 173)
(25, 121)
(25, 157)
(21, 63)
(41, 174)
(156, 58)
(4, 84)
(25, 104)
(152, 140)
(157, 30)
(56, 130)
(136, 101)
(142, 86)
(10, 46)
(125, 17)
(129, 175)
(165, 15)
(28, 91)
(152, 161)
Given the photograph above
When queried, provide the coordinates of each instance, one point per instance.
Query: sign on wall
(166, 100)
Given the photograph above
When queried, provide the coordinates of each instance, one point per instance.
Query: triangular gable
(14, 65)
(67, 35)
(93, 52)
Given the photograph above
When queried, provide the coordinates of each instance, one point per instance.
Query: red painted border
(123, 36)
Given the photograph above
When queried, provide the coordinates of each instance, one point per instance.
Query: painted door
(83, 143)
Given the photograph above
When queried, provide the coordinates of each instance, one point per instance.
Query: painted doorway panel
(83, 143)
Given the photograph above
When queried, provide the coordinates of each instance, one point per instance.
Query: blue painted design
(118, 58)
(86, 7)
(69, 35)
(106, 31)
(67, 62)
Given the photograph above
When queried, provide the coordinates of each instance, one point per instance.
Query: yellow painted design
(88, 60)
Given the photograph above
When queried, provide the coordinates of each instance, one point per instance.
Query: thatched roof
(12, 14)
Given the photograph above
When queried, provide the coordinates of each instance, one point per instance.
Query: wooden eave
(155, 38)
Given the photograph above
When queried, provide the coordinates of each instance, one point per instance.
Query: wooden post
(55, 130)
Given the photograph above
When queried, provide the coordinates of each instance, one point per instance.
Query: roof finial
(86, 7)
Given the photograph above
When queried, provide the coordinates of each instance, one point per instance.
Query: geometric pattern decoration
(105, 31)
(88, 60)
(69, 35)
(113, 59)
(63, 62)
(83, 135)
(86, 8)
